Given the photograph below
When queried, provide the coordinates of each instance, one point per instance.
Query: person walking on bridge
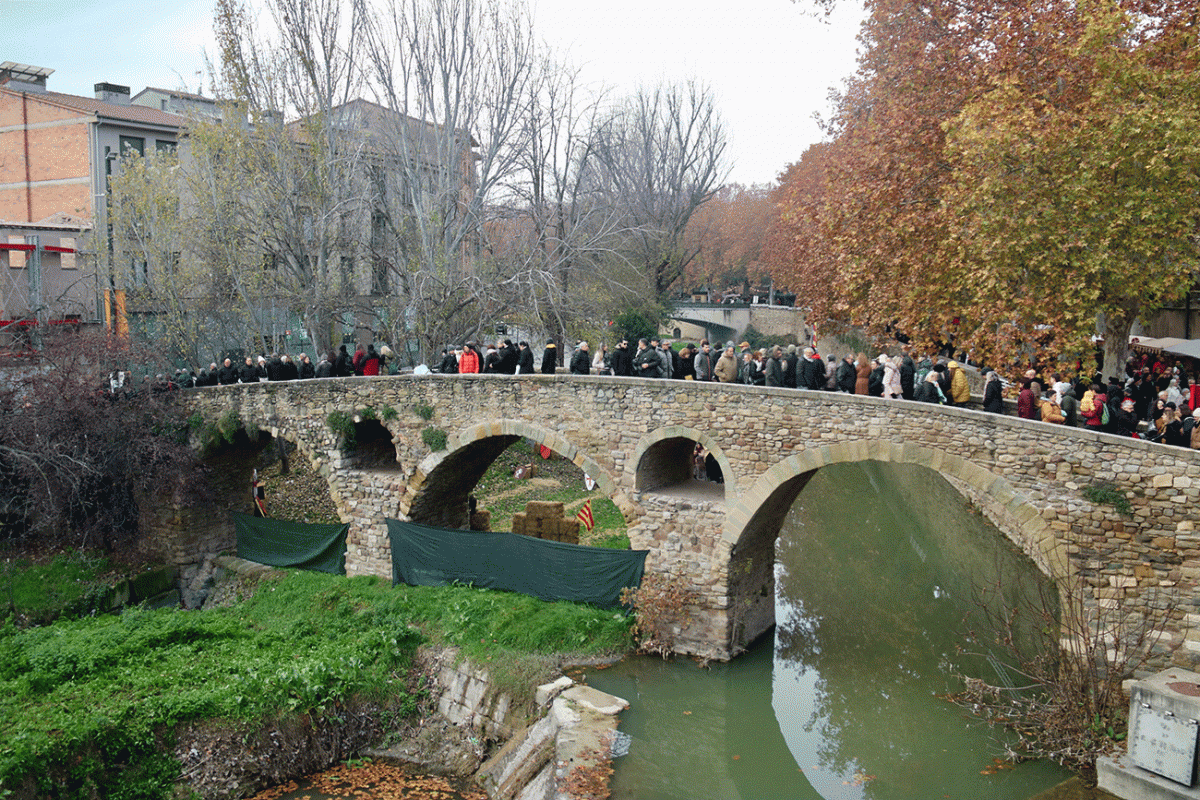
(774, 376)
(622, 361)
(581, 362)
(705, 363)
(846, 375)
(524, 359)
(726, 369)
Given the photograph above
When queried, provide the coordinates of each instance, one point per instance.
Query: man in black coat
(343, 366)
(227, 374)
(508, 358)
(774, 376)
(581, 362)
(306, 368)
(847, 375)
(248, 372)
(622, 359)
(791, 366)
(810, 371)
(908, 372)
(449, 365)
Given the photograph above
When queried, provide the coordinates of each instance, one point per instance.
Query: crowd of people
(366, 360)
(1154, 398)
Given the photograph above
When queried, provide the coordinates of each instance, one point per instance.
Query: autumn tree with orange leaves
(729, 235)
(998, 171)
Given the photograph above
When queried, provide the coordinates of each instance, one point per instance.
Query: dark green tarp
(423, 556)
(280, 543)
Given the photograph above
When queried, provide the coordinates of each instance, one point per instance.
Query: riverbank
(149, 702)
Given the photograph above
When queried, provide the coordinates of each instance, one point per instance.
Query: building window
(135, 143)
(164, 147)
(141, 272)
(16, 258)
(67, 260)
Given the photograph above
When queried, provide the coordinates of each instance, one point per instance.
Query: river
(877, 567)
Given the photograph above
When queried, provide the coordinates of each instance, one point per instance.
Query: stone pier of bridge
(636, 437)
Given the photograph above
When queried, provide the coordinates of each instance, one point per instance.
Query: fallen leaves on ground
(373, 781)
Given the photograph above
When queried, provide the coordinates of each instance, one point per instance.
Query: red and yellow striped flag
(585, 516)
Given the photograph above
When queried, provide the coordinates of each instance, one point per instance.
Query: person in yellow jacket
(960, 390)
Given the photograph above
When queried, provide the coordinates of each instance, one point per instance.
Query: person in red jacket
(1091, 408)
(370, 362)
(1027, 406)
(470, 360)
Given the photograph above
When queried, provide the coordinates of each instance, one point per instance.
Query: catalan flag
(585, 516)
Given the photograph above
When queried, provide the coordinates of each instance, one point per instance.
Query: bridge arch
(753, 520)
(658, 452)
(437, 493)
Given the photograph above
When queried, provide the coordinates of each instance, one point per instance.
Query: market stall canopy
(1188, 349)
(1154, 345)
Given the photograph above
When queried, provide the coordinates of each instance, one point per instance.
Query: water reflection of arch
(437, 493)
(659, 449)
(754, 518)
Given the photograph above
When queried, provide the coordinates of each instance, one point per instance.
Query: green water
(875, 569)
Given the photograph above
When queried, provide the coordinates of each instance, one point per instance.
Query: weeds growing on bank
(88, 706)
(39, 591)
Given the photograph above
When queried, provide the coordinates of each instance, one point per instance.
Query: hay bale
(544, 509)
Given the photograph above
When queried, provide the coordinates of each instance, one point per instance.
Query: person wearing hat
(549, 358)
(470, 362)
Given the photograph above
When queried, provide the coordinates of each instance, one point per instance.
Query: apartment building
(56, 153)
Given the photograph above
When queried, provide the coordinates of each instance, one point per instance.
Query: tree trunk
(1115, 329)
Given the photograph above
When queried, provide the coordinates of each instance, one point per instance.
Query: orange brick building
(56, 153)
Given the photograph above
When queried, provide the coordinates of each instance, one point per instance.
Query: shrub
(662, 606)
(434, 438)
(342, 424)
(1108, 494)
(387, 413)
(424, 411)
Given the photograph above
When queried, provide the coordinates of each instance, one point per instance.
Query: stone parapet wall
(1027, 476)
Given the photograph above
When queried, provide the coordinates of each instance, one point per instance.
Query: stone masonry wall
(1028, 476)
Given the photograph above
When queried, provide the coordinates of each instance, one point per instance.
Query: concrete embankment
(562, 747)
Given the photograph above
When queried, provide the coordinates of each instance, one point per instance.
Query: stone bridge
(720, 322)
(636, 436)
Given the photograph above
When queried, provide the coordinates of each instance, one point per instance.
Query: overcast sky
(770, 62)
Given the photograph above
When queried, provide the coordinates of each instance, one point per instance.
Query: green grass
(81, 697)
(38, 592)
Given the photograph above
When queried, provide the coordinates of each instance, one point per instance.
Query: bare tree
(75, 449)
(662, 156)
(301, 181)
(452, 78)
(557, 229)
